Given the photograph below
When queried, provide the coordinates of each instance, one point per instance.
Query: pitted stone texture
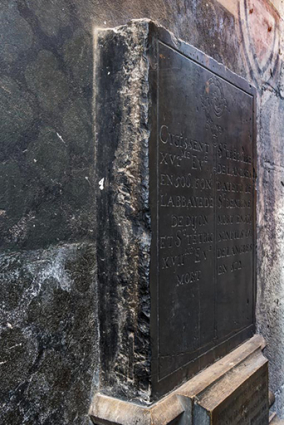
(123, 212)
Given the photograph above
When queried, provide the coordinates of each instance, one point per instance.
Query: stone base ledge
(234, 388)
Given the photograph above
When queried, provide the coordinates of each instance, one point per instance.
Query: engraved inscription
(205, 210)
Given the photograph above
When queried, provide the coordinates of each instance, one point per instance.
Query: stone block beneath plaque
(234, 391)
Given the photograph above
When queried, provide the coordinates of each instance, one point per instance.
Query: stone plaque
(202, 157)
(175, 164)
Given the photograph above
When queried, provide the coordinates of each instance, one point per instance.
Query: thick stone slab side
(124, 233)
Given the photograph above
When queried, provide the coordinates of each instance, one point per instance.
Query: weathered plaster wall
(270, 311)
(50, 362)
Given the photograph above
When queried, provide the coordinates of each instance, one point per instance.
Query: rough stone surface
(47, 161)
(48, 328)
(271, 206)
(123, 236)
(270, 311)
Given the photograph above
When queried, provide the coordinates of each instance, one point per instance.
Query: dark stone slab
(202, 176)
(124, 235)
(176, 207)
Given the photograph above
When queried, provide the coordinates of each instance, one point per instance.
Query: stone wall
(50, 360)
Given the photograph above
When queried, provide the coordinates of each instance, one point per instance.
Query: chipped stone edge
(121, 69)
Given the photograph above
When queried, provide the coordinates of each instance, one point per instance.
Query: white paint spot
(61, 138)
(35, 160)
(53, 267)
(101, 184)
(14, 346)
(9, 325)
(105, 22)
(108, 73)
(3, 362)
(87, 178)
